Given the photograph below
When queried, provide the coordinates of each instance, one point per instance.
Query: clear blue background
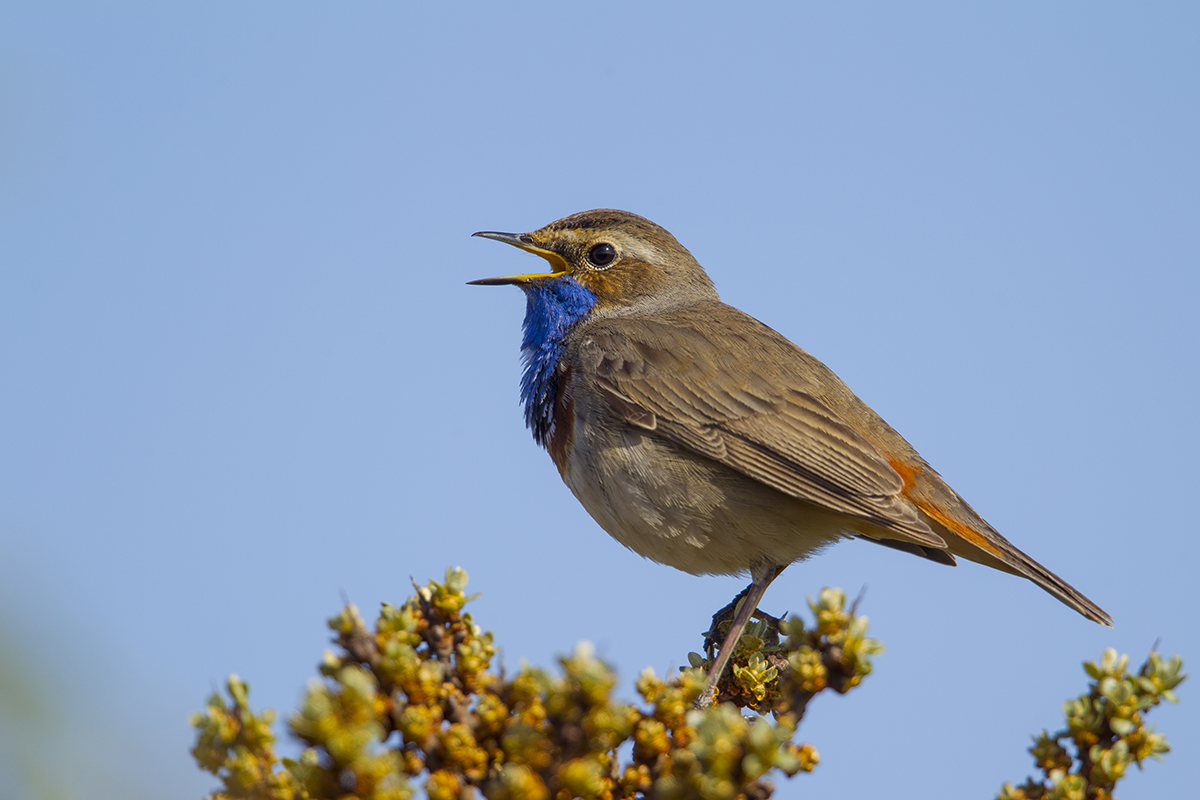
(241, 376)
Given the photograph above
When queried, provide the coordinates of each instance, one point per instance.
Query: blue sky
(241, 376)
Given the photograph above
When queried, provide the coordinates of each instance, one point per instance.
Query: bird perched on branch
(702, 439)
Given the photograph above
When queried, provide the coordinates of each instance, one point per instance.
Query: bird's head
(623, 259)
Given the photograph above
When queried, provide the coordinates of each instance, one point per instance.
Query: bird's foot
(757, 641)
(721, 621)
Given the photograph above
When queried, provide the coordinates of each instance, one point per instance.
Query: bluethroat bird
(702, 439)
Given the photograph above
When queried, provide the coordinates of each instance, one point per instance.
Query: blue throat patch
(551, 308)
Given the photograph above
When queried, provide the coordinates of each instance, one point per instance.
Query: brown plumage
(701, 438)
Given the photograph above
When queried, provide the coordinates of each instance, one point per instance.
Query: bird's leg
(727, 613)
(762, 578)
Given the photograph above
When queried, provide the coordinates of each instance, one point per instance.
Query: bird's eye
(601, 255)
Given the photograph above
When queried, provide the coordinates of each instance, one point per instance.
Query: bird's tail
(990, 548)
(1021, 564)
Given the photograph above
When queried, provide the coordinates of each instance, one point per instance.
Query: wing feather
(760, 414)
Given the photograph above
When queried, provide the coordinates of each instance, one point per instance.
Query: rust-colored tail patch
(910, 475)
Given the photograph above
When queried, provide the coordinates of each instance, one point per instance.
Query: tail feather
(1056, 586)
(999, 553)
(969, 536)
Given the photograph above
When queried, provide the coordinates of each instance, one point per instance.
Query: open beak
(525, 242)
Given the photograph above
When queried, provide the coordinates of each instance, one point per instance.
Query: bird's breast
(670, 505)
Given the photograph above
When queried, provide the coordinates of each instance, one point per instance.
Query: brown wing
(742, 395)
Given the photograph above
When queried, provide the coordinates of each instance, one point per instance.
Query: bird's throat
(552, 308)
